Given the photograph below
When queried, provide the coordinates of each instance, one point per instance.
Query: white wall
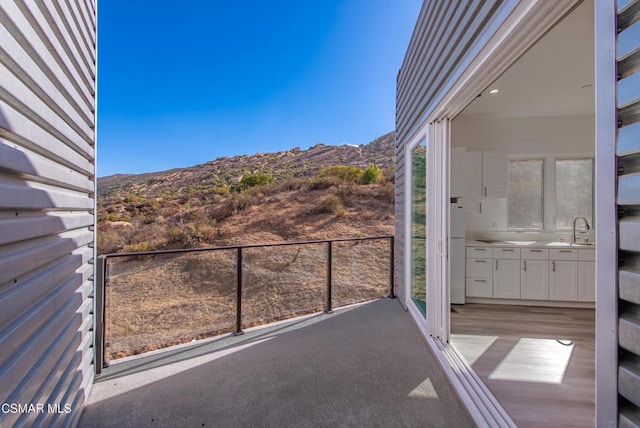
(526, 135)
(518, 136)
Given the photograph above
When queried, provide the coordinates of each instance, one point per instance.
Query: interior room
(522, 243)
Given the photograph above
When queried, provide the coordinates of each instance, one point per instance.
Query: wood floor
(539, 362)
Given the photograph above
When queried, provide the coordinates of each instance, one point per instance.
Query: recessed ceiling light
(494, 91)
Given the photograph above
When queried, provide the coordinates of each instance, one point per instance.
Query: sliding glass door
(427, 208)
(418, 245)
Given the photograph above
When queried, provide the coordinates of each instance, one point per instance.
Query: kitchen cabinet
(479, 282)
(472, 182)
(587, 281)
(534, 277)
(533, 273)
(485, 175)
(494, 175)
(563, 274)
(534, 280)
(506, 279)
(479, 287)
(479, 268)
(457, 172)
(563, 280)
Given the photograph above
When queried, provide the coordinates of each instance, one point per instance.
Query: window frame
(549, 189)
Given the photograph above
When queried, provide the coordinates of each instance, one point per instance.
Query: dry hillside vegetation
(163, 300)
(245, 200)
(155, 301)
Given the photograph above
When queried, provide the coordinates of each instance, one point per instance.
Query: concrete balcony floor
(366, 365)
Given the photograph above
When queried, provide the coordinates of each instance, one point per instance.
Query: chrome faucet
(586, 223)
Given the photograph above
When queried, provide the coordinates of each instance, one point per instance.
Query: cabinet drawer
(587, 255)
(534, 254)
(478, 252)
(563, 254)
(506, 253)
(480, 268)
(479, 287)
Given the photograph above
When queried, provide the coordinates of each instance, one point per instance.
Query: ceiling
(554, 78)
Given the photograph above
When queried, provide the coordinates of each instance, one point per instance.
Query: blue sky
(183, 85)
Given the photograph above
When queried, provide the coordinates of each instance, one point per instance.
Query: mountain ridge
(227, 171)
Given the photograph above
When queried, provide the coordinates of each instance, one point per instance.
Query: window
(526, 194)
(574, 191)
(553, 188)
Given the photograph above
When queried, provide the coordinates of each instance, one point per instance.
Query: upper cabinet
(494, 174)
(457, 172)
(485, 175)
(472, 182)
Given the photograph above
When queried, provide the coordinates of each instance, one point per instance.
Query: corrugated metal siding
(47, 182)
(444, 35)
(628, 199)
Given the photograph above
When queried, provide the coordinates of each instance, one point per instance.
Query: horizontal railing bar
(235, 247)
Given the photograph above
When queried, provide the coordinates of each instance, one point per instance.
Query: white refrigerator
(457, 252)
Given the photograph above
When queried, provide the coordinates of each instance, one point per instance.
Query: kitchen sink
(569, 244)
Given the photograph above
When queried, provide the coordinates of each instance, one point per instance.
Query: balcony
(365, 365)
(280, 354)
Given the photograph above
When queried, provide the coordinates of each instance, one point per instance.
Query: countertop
(528, 244)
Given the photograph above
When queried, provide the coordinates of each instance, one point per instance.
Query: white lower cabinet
(479, 287)
(587, 281)
(560, 274)
(563, 280)
(534, 280)
(506, 279)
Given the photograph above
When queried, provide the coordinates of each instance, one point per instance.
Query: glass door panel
(419, 226)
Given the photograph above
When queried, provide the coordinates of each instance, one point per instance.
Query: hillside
(267, 197)
(227, 171)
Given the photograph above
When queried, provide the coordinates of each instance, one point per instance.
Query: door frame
(528, 21)
(420, 136)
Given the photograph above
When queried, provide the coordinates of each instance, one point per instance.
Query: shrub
(346, 174)
(331, 204)
(138, 246)
(320, 183)
(251, 180)
(294, 184)
(241, 200)
(371, 175)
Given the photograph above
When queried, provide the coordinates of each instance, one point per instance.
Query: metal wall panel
(444, 36)
(628, 200)
(47, 191)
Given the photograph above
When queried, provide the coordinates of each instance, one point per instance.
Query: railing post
(100, 315)
(392, 255)
(329, 309)
(238, 330)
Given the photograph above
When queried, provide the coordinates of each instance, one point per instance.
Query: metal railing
(333, 246)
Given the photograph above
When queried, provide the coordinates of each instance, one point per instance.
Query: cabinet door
(534, 280)
(457, 172)
(479, 287)
(494, 174)
(586, 281)
(506, 279)
(472, 182)
(479, 268)
(563, 280)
